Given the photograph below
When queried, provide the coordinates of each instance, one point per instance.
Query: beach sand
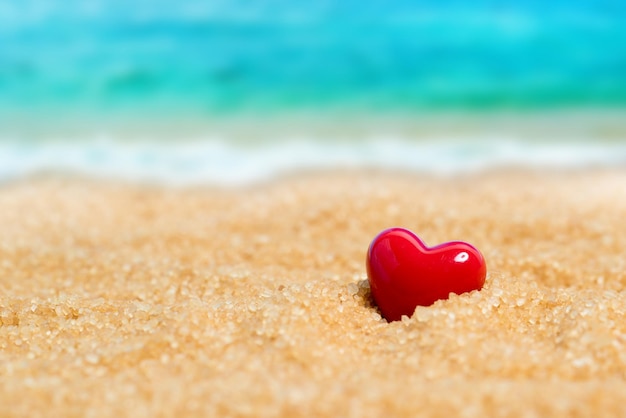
(127, 300)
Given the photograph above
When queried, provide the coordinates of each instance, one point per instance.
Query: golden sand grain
(135, 301)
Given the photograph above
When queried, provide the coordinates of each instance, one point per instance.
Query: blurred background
(235, 89)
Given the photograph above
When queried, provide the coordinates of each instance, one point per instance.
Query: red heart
(404, 273)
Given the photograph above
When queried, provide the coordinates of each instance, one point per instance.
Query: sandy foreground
(121, 300)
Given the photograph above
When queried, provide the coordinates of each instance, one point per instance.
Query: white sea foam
(219, 162)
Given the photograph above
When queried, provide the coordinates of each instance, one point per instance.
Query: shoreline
(603, 124)
(219, 162)
(134, 301)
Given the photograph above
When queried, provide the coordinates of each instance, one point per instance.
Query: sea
(238, 91)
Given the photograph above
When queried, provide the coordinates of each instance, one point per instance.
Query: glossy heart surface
(404, 273)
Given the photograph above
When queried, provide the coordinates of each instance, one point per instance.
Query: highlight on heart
(404, 273)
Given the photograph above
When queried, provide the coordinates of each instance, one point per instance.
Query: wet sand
(131, 300)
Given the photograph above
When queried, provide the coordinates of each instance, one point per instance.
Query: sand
(126, 300)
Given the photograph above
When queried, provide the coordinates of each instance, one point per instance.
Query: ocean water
(70, 70)
(229, 56)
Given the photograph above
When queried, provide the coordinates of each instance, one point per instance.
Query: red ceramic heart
(404, 273)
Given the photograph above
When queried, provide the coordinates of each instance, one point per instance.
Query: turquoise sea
(93, 83)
